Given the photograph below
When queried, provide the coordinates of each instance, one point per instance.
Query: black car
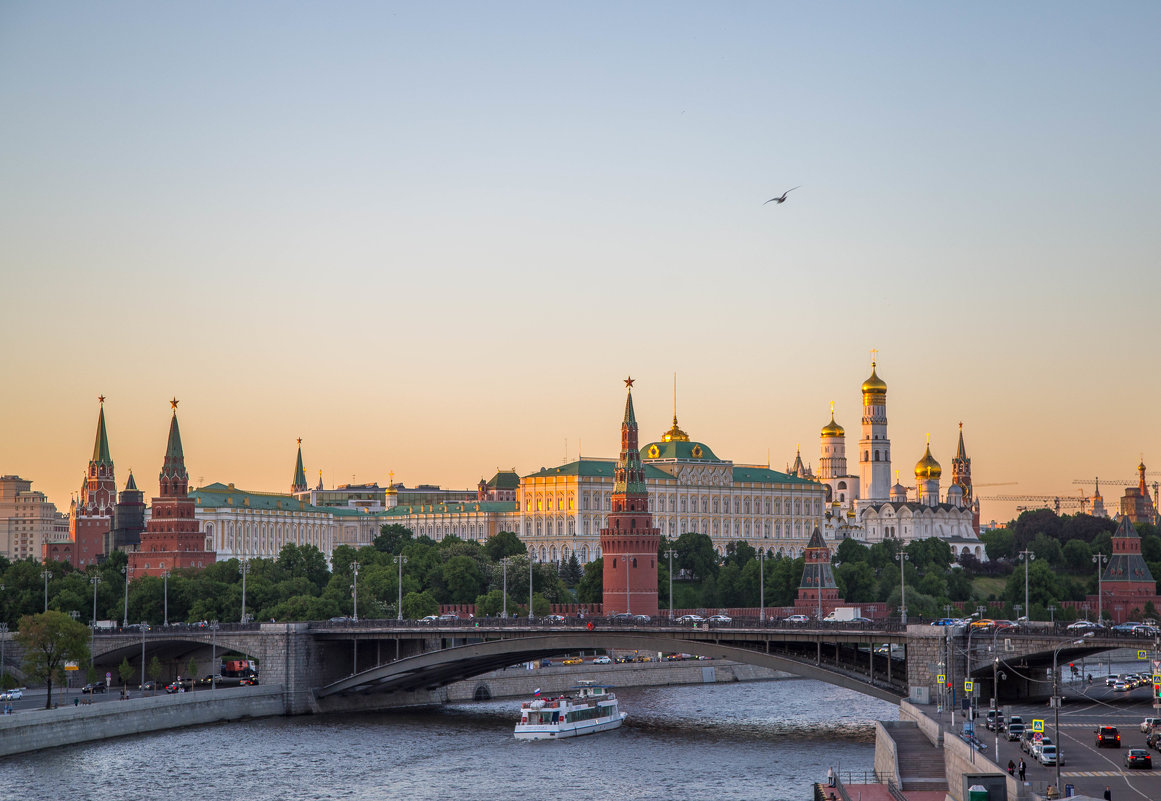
(95, 687)
(1154, 741)
(1108, 737)
(1138, 758)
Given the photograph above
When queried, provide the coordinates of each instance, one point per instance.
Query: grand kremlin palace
(556, 511)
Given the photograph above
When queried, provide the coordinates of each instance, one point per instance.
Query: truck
(843, 614)
(105, 625)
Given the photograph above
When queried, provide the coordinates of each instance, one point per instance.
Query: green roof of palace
(219, 496)
(452, 508)
(595, 468)
(764, 475)
(504, 479)
(679, 449)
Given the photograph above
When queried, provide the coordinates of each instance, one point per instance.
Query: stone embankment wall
(519, 682)
(48, 728)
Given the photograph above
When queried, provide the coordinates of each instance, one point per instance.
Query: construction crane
(1156, 485)
(1057, 502)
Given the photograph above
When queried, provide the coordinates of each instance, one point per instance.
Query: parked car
(691, 619)
(151, 685)
(1108, 737)
(1154, 740)
(641, 618)
(429, 619)
(602, 660)
(173, 687)
(946, 621)
(448, 617)
(721, 619)
(572, 660)
(1148, 723)
(1015, 731)
(995, 720)
(95, 687)
(15, 694)
(624, 617)
(798, 619)
(1138, 758)
(554, 618)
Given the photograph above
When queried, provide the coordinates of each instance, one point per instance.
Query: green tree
(999, 544)
(154, 670)
(392, 538)
(191, 669)
(50, 639)
(856, 582)
(125, 672)
(591, 588)
(304, 562)
(739, 552)
(1047, 548)
(461, 575)
(851, 550)
(503, 543)
(419, 604)
(695, 553)
(1077, 556)
(571, 571)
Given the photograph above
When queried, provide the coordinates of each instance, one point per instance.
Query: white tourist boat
(591, 709)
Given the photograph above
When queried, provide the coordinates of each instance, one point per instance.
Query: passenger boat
(591, 709)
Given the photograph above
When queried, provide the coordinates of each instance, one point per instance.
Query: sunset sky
(433, 238)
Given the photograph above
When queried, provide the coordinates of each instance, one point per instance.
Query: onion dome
(927, 467)
(832, 429)
(675, 434)
(874, 384)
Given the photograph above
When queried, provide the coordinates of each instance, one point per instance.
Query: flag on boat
(536, 693)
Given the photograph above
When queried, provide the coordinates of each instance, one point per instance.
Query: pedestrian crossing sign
(968, 685)
(1142, 654)
(941, 678)
(1038, 726)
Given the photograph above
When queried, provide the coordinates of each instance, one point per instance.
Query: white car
(721, 619)
(691, 619)
(602, 660)
(798, 619)
(14, 694)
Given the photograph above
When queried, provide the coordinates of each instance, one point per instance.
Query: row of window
(684, 503)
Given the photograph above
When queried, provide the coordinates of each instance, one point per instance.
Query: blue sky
(432, 238)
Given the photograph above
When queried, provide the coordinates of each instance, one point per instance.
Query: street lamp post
(1056, 701)
(400, 560)
(504, 564)
(901, 556)
(165, 585)
(1100, 560)
(762, 586)
(46, 575)
(143, 628)
(213, 654)
(94, 580)
(245, 566)
(669, 555)
(1052, 613)
(355, 590)
(1027, 556)
(1019, 608)
(125, 618)
(530, 615)
(3, 643)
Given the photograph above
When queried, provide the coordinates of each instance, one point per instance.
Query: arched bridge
(344, 664)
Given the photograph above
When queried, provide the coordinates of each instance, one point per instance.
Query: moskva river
(762, 740)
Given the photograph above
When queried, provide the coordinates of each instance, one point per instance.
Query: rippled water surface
(764, 740)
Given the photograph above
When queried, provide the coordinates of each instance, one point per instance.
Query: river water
(761, 740)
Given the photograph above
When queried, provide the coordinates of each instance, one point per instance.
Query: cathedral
(869, 508)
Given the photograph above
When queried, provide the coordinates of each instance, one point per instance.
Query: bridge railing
(637, 622)
(202, 627)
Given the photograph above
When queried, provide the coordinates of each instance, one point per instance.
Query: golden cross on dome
(928, 440)
(873, 352)
(629, 382)
(101, 398)
(173, 403)
(832, 409)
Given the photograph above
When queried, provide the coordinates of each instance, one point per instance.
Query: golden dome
(874, 383)
(927, 467)
(832, 429)
(675, 434)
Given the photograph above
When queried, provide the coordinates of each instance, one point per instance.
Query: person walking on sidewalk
(1023, 768)
(1108, 793)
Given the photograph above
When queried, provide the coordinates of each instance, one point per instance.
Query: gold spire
(675, 434)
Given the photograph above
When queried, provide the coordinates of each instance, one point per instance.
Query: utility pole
(355, 590)
(1027, 556)
(669, 555)
(1100, 560)
(400, 560)
(245, 565)
(504, 564)
(901, 556)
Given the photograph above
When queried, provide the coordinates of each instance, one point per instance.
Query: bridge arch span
(434, 669)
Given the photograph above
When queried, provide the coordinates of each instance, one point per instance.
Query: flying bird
(782, 198)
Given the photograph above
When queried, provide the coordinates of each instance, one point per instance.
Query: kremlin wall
(589, 508)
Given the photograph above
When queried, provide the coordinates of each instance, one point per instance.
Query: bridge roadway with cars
(379, 663)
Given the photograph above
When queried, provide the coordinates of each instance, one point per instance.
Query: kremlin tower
(299, 482)
(92, 514)
(629, 543)
(171, 538)
(818, 593)
(874, 447)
